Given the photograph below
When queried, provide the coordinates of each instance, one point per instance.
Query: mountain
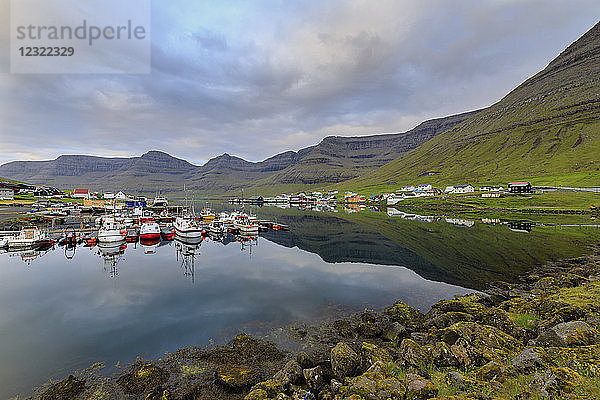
(546, 130)
(339, 158)
(333, 160)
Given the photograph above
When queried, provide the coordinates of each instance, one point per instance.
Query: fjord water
(61, 312)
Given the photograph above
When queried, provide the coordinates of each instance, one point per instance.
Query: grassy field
(560, 200)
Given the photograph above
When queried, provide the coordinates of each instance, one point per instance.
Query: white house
(449, 189)
(7, 194)
(109, 195)
(463, 189)
(121, 196)
(425, 186)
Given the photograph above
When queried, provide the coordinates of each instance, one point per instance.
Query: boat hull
(110, 236)
(190, 234)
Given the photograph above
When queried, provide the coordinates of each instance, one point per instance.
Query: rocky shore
(537, 338)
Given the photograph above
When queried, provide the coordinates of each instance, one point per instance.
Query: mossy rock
(236, 376)
(143, 377)
(271, 388)
(375, 383)
(491, 342)
(446, 319)
(420, 389)
(67, 389)
(469, 304)
(413, 355)
(257, 394)
(493, 371)
(369, 329)
(567, 378)
(344, 360)
(405, 315)
(441, 354)
(371, 353)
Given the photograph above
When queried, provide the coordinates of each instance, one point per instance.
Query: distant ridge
(333, 160)
(548, 127)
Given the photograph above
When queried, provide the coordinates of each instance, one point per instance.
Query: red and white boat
(149, 230)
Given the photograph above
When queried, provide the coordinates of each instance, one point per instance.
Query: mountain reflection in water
(66, 308)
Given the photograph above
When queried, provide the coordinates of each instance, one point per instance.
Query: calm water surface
(59, 314)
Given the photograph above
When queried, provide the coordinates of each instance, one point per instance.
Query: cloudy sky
(254, 78)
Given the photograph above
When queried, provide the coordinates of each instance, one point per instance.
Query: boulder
(315, 377)
(343, 328)
(413, 355)
(405, 315)
(375, 384)
(393, 331)
(528, 360)
(443, 320)
(67, 389)
(474, 338)
(290, 373)
(568, 334)
(142, 377)
(420, 389)
(270, 389)
(419, 337)
(369, 329)
(370, 354)
(236, 376)
(305, 360)
(554, 381)
(344, 361)
(493, 371)
(441, 354)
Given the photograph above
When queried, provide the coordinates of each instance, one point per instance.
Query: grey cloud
(339, 68)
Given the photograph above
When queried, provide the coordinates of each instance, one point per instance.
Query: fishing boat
(132, 235)
(112, 230)
(243, 224)
(207, 214)
(160, 201)
(57, 212)
(28, 237)
(217, 226)
(149, 230)
(188, 228)
(167, 233)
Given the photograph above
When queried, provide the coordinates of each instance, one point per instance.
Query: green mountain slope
(547, 129)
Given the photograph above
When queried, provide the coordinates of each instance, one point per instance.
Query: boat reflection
(111, 253)
(150, 245)
(186, 251)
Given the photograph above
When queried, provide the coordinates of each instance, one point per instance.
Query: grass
(524, 320)
(587, 296)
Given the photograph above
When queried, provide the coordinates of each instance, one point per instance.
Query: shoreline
(533, 338)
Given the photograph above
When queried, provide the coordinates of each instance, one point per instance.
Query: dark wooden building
(519, 187)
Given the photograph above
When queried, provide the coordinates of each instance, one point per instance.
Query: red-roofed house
(81, 193)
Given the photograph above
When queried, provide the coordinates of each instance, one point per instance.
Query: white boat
(150, 230)
(243, 224)
(111, 230)
(188, 228)
(57, 212)
(27, 237)
(160, 201)
(217, 226)
(3, 242)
